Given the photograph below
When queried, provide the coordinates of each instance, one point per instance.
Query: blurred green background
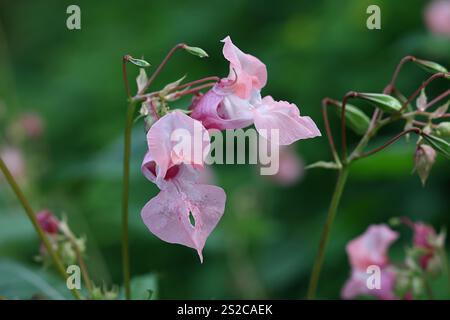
(265, 244)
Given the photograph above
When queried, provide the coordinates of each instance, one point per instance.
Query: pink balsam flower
(235, 102)
(184, 212)
(370, 250)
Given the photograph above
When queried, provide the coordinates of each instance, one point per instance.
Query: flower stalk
(337, 194)
(42, 236)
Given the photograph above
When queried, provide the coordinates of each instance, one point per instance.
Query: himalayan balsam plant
(426, 120)
(186, 210)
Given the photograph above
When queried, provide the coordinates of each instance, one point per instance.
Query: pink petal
(177, 138)
(167, 214)
(357, 285)
(371, 247)
(250, 71)
(285, 118)
(216, 110)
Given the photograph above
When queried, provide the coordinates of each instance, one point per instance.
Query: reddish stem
(194, 90)
(391, 141)
(424, 84)
(125, 77)
(438, 98)
(390, 87)
(325, 104)
(160, 67)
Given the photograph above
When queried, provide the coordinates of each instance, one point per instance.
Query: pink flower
(235, 102)
(437, 17)
(48, 222)
(357, 285)
(370, 249)
(32, 124)
(185, 211)
(175, 139)
(290, 167)
(423, 235)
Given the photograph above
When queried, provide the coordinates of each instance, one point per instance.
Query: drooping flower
(235, 102)
(371, 249)
(184, 212)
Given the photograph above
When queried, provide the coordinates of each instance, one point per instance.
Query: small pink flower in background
(290, 169)
(437, 17)
(236, 102)
(370, 249)
(185, 211)
(48, 222)
(425, 237)
(32, 125)
(15, 162)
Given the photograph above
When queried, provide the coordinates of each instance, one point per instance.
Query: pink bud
(423, 161)
(437, 17)
(48, 222)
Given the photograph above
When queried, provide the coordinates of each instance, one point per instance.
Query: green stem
(125, 199)
(446, 266)
(30, 213)
(340, 184)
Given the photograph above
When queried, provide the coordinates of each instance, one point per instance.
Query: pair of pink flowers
(371, 249)
(185, 211)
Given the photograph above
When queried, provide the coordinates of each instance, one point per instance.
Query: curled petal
(168, 214)
(175, 139)
(250, 71)
(217, 110)
(283, 117)
(371, 247)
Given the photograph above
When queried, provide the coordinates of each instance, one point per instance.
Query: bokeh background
(266, 241)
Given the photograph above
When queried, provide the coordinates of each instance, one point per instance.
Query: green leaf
(138, 62)
(438, 144)
(20, 282)
(199, 52)
(144, 287)
(430, 66)
(357, 120)
(383, 101)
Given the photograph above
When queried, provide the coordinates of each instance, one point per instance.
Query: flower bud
(48, 222)
(443, 130)
(423, 161)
